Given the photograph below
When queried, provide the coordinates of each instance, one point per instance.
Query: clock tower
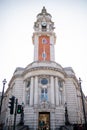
(44, 37)
(49, 94)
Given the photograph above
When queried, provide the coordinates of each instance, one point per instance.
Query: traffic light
(19, 109)
(12, 100)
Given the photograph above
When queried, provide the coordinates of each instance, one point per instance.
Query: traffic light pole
(15, 114)
(11, 103)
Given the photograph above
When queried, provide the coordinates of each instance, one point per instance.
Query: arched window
(44, 26)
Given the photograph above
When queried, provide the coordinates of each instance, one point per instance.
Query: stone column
(24, 101)
(31, 92)
(36, 91)
(64, 92)
(52, 121)
(52, 90)
(57, 91)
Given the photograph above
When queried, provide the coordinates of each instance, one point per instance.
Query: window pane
(60, 83)
(44, 94)
(44, 81)
(28, 84)
(42, 91)
(44, 55)
(46, 97)
(45, 90)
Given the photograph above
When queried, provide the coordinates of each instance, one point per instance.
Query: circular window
(44, 81)
(44, 41)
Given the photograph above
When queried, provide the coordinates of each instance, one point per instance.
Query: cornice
(44, 33)
(44, 65)
(43, 68)
(72, 77)
(38, 66)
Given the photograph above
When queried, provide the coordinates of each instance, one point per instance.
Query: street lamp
(4, 82)
(82, 97)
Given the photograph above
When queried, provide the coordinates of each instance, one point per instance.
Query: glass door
(44, 121)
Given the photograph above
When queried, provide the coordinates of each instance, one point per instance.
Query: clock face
(44, 23)
(44, 81)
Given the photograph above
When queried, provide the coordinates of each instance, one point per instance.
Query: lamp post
(4, 82)
(82, 97)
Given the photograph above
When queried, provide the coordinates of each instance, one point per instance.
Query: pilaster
(35, 47)
(57, 91)
(64, 92)
(24, 91)
(31, 92)
(52, 57)
(52, 90)
(36, 91)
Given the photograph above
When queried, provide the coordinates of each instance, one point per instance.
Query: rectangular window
(44, 94)
(27, 97)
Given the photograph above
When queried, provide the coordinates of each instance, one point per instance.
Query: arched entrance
(44, 121)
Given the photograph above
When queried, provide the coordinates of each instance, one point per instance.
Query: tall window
(44, 94)
(28, 92)
(27, 97)
(28, 84)
(44, 55)
(60, 83)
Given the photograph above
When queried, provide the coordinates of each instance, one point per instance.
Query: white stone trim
(36, 91)
(31, 92)
(57, 91)
(52, 52)
(52, 90)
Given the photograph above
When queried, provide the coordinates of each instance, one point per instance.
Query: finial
(44, 10)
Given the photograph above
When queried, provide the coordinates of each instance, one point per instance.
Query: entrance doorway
(44, 121)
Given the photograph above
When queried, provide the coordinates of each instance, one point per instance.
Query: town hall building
(44, 87)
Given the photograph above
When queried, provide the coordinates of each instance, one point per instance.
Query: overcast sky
(17, 18)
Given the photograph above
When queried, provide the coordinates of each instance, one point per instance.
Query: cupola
(44, 22)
